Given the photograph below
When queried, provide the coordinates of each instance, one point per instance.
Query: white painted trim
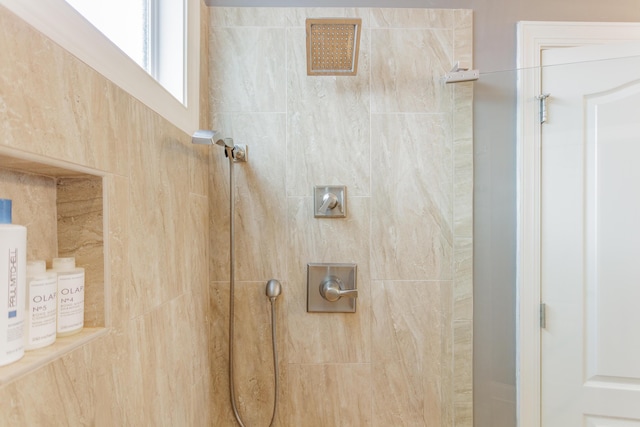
(65, 26)
(533, 37)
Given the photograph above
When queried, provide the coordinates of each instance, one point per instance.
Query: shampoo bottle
(70, 296)
(42, 288)
(13, 266)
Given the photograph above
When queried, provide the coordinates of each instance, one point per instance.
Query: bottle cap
(35, 268)
(5, 211)
(63, 263)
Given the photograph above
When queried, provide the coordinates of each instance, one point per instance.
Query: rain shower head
(210, 137)
(332, 46)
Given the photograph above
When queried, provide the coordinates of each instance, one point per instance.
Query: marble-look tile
(195, 256)
(49, 388)
(33, 206)
(104, 125)
(298, 16)
(35, 165)
(463, 198)
(219, 215)
(328, 124)
(195, 337)
(253, 353)
(177, 330)
(412, 18)
(69, 117)
(242, 77)
(253, 359)
(115, 373)
(81, 235)
(201, 412)
(463, 159)
(464, 415)
(249, 17)
(123, 303)
(157, 370)
(160, 189)
(463, 37)
(218, 324)
(447, 380)
(463, 225)
(55, 106)
(463, 362)
(407, 361)
(335, 395)
(199, 169)
(411, 197)
(407, 66)
(463, 279)
(66, 392)
(328, 337)
(405, 329)
(260, 199)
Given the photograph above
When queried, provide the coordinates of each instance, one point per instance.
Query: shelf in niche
(35, 359)
(64, 204)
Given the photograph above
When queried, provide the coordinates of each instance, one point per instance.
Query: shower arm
(237, 152)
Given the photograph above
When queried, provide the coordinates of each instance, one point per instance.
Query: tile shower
(401, 142)
(394, 135)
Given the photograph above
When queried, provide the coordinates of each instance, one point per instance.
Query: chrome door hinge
(542, 99)
(543, 315)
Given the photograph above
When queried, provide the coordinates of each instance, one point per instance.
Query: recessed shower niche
(63, 208)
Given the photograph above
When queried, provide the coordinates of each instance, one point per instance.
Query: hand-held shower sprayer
(238, 153)
(273, 291)
(274, 288)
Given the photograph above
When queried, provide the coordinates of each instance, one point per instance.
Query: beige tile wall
(394, 135)
(153, 367)
(401, 141)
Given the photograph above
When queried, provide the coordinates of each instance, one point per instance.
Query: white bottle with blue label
(13, 276)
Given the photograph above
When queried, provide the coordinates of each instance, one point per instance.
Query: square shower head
(332, 46)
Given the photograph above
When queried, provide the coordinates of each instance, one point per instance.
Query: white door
(590, 237)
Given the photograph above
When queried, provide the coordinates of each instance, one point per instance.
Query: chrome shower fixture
(237, 152)
(273, 290)
(208, 137)
(332, 46)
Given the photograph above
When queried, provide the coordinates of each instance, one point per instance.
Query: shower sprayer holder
(239, 153)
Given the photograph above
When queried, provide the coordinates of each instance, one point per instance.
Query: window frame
(74, 33)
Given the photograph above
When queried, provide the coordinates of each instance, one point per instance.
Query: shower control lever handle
(332, 290)
(329, 201)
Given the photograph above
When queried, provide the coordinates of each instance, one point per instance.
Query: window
(150, 48)
(124, 22)
(151, 32)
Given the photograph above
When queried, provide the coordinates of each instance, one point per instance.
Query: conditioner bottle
(70, 296)
(42, 288)
(13, 266)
